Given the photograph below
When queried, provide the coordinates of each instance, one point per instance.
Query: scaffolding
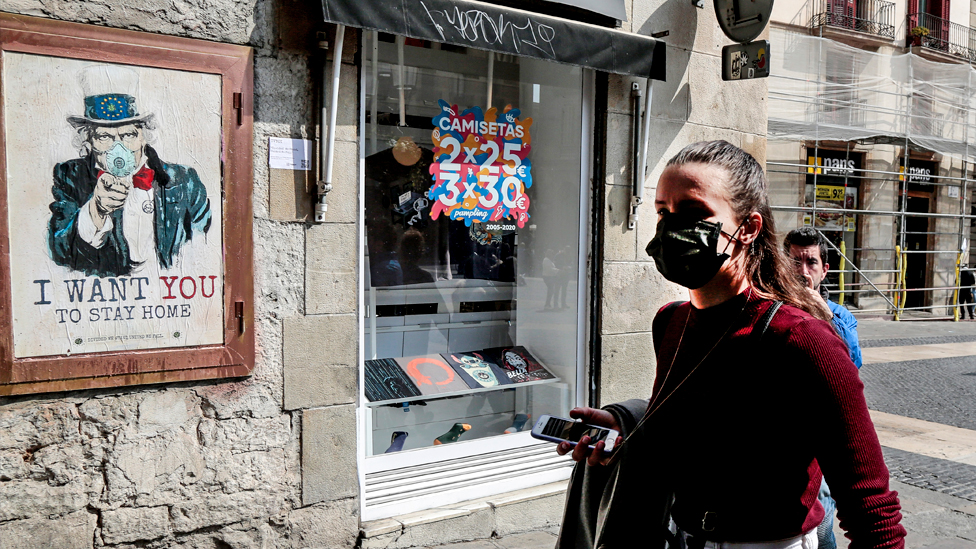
(889, 110)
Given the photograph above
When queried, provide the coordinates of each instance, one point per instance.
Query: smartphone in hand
(557, 429)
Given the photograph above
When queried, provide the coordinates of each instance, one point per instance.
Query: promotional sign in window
(830, 198)
(481, 170)
(832, 183)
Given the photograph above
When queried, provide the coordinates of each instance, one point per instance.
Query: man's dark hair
(806, 236)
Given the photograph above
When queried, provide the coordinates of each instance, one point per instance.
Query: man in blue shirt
(808, 249)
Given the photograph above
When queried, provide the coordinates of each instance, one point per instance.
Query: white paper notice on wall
(289, 154)
(953, 192)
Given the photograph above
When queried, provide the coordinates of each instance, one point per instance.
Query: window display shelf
(401, 380)
(442, 326)
(424, 398)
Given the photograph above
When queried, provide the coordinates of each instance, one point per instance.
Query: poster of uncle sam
(114, 206)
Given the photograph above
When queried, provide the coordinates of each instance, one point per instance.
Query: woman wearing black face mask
(752, 400)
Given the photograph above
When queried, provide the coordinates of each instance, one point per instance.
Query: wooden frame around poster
(180, 360)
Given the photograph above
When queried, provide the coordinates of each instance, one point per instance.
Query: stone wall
(218, 464)
(269, 461)
(181, 466)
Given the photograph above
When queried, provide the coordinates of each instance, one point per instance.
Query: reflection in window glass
(472, 260)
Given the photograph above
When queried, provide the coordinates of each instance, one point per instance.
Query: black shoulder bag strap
(763, 323)
(758, 331)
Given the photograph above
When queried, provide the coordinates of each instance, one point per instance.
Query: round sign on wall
(743, 20)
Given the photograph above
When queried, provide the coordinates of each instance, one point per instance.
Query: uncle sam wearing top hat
(119, 210)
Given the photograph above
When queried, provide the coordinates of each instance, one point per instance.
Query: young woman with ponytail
(753, 402)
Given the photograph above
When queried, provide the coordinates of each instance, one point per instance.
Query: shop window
(475, 207)
(832, 186)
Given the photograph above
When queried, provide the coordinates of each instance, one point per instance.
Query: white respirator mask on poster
(120, 161)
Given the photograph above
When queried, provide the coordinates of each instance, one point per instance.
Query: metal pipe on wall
(641, 171)
(637, 183)
(325, 185)
(647, 135)
(491, 77)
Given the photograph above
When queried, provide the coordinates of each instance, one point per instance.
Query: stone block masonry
(149, 465)
(214, 464)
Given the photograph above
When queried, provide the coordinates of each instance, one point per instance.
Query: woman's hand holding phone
(581, 451)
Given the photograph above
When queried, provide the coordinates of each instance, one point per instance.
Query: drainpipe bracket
(635, 201)
(321, 207)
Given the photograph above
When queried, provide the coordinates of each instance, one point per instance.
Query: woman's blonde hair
(770, 272)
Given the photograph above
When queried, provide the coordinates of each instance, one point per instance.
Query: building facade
(475, 264)
(870, 125)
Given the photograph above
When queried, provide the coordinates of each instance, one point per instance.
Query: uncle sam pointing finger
(120, 210)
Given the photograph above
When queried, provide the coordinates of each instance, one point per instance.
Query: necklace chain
(654, 404)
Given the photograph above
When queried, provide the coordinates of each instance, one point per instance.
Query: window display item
(406, 151)
(432, 374)
(477, 370)
(385, 380)
(517, 425)
(462, 197)
(518, 364)
(453, 435)
(557, 429)
(396, 441)
(489, 182)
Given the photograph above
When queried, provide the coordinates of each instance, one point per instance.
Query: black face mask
(684, 249)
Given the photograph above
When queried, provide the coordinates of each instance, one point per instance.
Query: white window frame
(510, 453)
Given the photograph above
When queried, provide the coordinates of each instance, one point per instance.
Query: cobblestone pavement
(938, 496)
(925, 340)
(939, 475)
(939, 390)
(912, 333)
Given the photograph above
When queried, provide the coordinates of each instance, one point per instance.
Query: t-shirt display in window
(477, 370)
(457, 221)
(404, 247)
(518, 364)
(385, 380)
(432, 374)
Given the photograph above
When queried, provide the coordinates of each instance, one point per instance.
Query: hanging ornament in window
(406, 151)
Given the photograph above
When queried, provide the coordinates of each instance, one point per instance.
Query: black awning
(610, 8)
(489, 27)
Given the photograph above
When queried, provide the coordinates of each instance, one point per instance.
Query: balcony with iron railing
(942, 35)
(872, 17)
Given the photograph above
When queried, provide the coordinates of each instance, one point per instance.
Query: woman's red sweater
(751, 428)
